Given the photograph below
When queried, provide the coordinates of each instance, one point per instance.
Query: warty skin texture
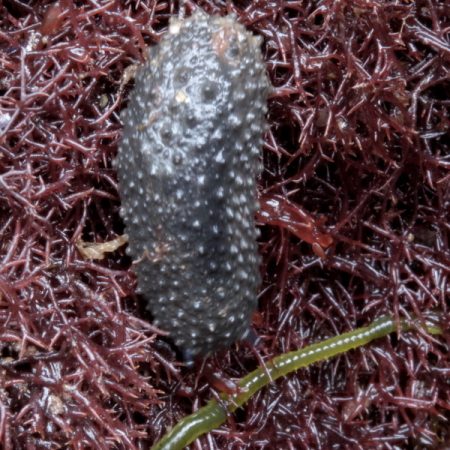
(187, 168)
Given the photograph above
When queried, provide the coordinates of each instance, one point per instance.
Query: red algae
(357, 158)
(279, 211)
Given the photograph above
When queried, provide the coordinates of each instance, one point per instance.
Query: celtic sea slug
(187, 166)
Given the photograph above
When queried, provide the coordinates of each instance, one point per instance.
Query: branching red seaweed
(355, 203)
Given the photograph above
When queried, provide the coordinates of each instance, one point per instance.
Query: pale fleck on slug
(187, 167)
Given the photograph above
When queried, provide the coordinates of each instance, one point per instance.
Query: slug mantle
(187, 168)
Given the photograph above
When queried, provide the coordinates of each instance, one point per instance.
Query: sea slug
(187, 167)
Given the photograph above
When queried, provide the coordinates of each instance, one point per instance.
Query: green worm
(214, 414)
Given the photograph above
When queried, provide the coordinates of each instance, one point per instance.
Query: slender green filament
(214, 414)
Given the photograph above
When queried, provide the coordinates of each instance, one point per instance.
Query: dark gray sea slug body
(187, 166)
